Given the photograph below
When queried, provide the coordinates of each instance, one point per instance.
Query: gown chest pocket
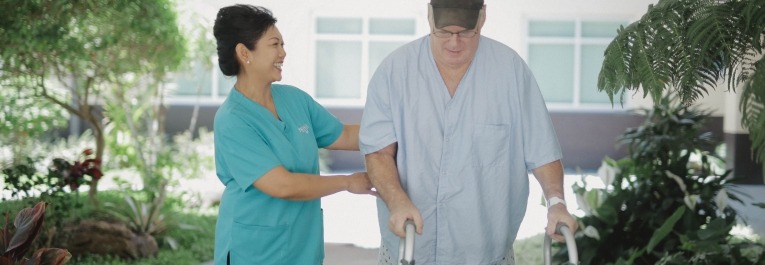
(490, 143)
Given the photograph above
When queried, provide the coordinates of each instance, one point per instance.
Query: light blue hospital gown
(463, 160)
(249, 141)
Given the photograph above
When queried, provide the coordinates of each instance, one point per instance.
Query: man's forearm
(550, 177)
(383, 173)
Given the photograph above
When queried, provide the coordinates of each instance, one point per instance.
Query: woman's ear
(242, 54)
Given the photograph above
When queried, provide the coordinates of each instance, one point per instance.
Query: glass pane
(225, 83)
(339, 25)
(552, 65)
(592, 60)
(552, 28)
(378, 50)
(194, 81)
(600, 29)
(391, 26)
(338, 71)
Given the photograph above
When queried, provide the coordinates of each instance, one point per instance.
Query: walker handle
(573, 255)
(406, 247)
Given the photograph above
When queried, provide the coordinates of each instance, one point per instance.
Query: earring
(248, 61)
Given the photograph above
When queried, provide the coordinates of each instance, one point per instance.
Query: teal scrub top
(253, 227)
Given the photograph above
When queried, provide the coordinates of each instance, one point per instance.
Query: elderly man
(453, 123)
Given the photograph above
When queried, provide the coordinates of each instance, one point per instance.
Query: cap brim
(444, 17)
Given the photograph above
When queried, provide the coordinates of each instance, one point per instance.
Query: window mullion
(214, 78)
(365, 38)
(577, 63)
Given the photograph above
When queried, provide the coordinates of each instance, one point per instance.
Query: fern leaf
(753, 110)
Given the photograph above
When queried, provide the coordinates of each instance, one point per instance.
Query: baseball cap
(463, 13)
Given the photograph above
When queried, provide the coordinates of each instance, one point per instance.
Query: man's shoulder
(497, 48)
(406, 50)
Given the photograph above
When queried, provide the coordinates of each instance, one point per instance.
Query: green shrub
(529, 251)
(193, 232)
(666, 203)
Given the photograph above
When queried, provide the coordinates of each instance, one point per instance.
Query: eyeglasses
(468, 33)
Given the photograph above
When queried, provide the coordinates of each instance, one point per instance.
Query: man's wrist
(555, 200)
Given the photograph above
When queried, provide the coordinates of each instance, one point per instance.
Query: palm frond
(753, 14)
(753, 110)
(721, 39)
(614, 77)
(686, 47)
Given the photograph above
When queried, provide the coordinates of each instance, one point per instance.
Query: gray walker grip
(406, 247)
(573, 255)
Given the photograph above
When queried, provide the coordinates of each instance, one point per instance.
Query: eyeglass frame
(460, 34)
(437, 32)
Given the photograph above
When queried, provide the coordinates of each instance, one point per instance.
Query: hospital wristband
(555, 200)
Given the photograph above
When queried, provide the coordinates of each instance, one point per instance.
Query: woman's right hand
(359, 184)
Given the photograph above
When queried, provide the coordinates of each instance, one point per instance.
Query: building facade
(334, 46)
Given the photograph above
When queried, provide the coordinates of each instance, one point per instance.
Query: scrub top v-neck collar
(262, 110)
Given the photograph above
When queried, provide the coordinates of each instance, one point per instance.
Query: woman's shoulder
(288, 90)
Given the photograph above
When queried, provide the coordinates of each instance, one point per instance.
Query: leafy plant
(88, 48)
(21, 178)
(62, 173)
(146, 217)
(73, 174)
(666, 201)
(15, 244)
(141, 217)
(686, 47)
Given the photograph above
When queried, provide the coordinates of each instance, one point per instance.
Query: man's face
(455, 50)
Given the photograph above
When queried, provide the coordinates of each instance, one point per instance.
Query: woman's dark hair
(236, 24)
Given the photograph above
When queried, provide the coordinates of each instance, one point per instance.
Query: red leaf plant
(13, 245)
(73, 174)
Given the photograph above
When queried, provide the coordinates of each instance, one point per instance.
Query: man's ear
(430, 18)
(481, 18)
(242, 53)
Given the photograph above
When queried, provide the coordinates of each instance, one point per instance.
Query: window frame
(578, 41)
(365, 38)
(212, 99)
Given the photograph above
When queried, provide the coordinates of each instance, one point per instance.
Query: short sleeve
(377, 128)
(326, 127)
(243, 152)
(539, 137)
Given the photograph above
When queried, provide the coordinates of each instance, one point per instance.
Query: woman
(266, 150)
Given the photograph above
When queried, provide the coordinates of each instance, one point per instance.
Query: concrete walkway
(343, 254)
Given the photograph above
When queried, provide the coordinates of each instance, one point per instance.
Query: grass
(529, 251)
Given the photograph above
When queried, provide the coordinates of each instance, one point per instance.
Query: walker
(406, 246)
(573, 255)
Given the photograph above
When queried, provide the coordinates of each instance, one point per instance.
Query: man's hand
(401, 212)
(559, 214)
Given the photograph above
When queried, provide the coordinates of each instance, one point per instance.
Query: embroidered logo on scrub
(303, 129)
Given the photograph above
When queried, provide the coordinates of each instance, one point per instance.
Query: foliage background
(686, 47)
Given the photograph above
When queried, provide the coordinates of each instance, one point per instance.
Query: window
(348, 51)
(566, 57)
(201, 81)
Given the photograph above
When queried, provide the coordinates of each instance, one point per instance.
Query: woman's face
(268, 56)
